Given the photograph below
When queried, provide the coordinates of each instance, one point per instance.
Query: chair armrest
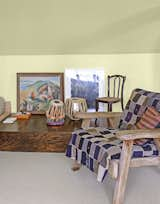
(92, 115)
(87, 116)
(138, 134)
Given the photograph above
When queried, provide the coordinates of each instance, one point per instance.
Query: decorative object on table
(5, 108)
(85, 83)
(36, 90)
(74, 105)
(23, 115)
(10, 120)
(115, 92)
(55, 113)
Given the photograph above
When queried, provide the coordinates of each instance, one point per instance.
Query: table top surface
(37, 123)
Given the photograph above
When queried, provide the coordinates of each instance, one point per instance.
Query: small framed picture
(36, 90)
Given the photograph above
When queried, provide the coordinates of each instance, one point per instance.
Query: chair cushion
(108, 99)
(140, 99)
(149, 120)
(95, 147)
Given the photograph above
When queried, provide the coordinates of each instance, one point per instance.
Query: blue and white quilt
(95, 147)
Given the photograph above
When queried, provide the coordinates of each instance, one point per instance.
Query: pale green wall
(60, 32)
(142, 70)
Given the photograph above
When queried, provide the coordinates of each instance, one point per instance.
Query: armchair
(114, 150)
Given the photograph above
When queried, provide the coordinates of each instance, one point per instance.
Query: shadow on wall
(115, 30)
(156, 68)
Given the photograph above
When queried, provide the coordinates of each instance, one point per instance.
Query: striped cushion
(140, 99)
(149, 120)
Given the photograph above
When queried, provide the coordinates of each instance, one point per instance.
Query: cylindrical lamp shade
(55, 113)
(74, 105)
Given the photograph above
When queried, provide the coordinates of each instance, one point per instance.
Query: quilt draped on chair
(95, 147)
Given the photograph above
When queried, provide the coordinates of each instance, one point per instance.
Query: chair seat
(95, 147)
(108, 99)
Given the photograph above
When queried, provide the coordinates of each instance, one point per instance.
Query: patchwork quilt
(95, 147)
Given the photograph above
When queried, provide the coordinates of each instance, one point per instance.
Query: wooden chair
(115, 92)
(118, 164)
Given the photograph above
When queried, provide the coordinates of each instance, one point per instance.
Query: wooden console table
(34, 135)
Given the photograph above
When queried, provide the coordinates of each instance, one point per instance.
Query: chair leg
(110, 107)
(76, 166)
(122, 106)
(123, 172)
(97, 105)
(110, 123)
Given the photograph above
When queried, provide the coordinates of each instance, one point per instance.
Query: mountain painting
(35, 91)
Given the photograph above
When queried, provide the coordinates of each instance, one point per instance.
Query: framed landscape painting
(36, 90)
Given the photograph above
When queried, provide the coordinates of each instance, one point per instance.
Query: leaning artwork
(85, 83)
(36, 90)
